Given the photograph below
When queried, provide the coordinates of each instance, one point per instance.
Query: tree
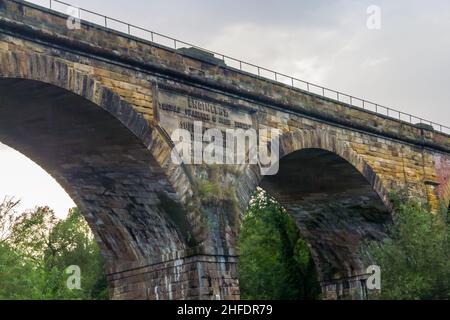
(35, 250)
(275, 261)
(7, 217)
(70, 242)
(18, 274)
(415, 258)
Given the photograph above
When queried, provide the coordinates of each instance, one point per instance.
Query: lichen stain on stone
(442, 165)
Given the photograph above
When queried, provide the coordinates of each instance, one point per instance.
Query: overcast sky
(405, 64)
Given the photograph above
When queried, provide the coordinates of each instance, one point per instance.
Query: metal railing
(239, 65)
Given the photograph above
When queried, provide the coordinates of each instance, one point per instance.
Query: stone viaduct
(95, 109)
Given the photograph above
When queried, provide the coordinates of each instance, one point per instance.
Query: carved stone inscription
(176, 111)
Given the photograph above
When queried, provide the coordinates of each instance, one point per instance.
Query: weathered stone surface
(89, 106)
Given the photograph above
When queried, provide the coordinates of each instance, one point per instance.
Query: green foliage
(415, 260)
(211, 186)
(275, 261)
(38, 248)
(19, 279)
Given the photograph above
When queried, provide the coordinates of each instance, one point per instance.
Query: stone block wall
(191, 277)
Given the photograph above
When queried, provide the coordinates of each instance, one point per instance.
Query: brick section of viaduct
(35, 44)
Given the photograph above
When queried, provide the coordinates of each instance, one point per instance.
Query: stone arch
(56, 72)
(344, 202)
(322, 139)
(110, 160)
(291, 142)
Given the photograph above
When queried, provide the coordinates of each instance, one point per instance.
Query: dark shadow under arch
(334, 206)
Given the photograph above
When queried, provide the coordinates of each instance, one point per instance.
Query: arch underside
(109, 173)
(334, 207)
